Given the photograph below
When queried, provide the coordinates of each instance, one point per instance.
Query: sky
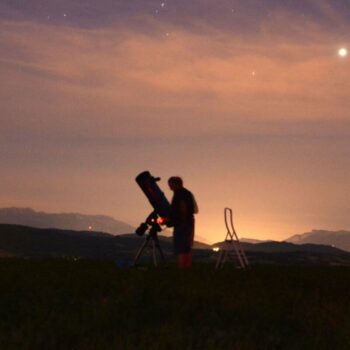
(247, 100)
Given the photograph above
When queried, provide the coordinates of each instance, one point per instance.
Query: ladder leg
(239, 256)
(218, 260)
(224, 258)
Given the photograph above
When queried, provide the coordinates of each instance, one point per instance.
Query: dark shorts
(183, 238)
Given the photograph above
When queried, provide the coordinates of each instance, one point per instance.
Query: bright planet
(343, 52)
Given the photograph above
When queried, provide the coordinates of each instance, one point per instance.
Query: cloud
(268, 75)
(265, 110)
(110, 86)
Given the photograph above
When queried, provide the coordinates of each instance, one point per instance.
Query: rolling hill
(24, 241)
(66, 221)
(286, 247)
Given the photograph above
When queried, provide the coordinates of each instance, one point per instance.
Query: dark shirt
(180, 217)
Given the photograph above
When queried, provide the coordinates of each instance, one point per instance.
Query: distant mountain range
(29, 242)
(338, 239)
(73, 221)
(66, 221)
(107, 224)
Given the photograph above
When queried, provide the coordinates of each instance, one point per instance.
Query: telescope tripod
(151, 238)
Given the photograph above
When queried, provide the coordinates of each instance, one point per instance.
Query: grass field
(61, 304)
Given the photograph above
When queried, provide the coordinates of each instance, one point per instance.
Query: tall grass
(60, 304)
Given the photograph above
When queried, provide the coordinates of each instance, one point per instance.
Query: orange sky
(257, 121)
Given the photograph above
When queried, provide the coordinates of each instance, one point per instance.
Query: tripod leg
(152, 238)
(142, 248)
(156, 240)
(154, 253)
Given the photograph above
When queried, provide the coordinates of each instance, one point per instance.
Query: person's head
(175, 183)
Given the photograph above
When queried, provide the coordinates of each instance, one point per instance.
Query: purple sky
(247, 100)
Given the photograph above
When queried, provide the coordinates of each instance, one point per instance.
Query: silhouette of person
(183, 206)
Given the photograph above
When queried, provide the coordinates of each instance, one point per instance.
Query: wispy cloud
(274, 99)
(268, 75)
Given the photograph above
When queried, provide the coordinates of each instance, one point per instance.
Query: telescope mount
(151, 243)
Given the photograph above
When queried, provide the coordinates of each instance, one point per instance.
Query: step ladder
(231, 247)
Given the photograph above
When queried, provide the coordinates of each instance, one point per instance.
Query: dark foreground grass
(58, 304)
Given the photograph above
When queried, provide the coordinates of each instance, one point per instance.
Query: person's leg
(188, 260)
(180, 263)
(183, 242)
(185, 260)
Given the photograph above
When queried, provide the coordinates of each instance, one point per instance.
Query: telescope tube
(154, 194)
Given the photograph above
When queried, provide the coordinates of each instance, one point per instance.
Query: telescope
(158, 201)
(160, 215)
(154, 194)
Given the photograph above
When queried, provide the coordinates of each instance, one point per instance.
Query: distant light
(216, 249)
(90, 228)
(343, 52)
